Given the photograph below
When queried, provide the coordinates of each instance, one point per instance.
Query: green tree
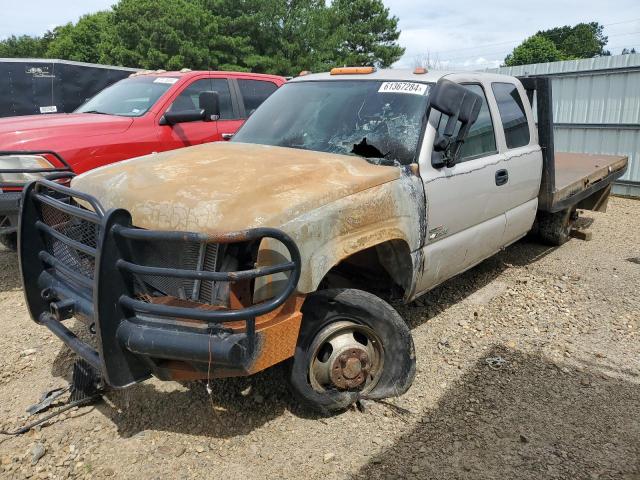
(364, 33)
(169, 34)
(84, 41)
(536, 49)
(584, 40)
(271, 36)
(287, 36)
(23, 46)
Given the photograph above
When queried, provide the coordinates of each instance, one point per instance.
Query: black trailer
(30, 86)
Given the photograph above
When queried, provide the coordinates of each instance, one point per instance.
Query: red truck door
(251, 92)
(231, 117)
(194, 133)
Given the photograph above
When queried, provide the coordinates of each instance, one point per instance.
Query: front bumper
(9, 212)
(85, 262)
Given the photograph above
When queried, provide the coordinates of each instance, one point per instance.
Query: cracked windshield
(378, 120)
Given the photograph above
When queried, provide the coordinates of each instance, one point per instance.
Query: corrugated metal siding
(596, 108)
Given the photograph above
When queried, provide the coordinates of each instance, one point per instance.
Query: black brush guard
(81, 264)
(10, 200)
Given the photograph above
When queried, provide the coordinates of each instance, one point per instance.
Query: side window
(512, 114)
(189, 99)
(221, 85)
(254, 92)
(481, 139)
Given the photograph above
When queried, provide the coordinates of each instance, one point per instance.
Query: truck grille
(197, 256)
(84, 232)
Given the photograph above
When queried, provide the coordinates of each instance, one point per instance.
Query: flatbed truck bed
(577, 174)
(569, 180)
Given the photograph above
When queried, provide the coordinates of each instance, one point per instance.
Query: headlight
(271, 252)
(26, 163)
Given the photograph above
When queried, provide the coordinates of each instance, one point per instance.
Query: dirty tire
(555, 228)
(10, 241)
(328, 307)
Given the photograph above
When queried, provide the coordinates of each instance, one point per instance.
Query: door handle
(227, 136)
(502, 177)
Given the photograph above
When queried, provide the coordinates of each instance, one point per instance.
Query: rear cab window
(512, 114)
(254, 92)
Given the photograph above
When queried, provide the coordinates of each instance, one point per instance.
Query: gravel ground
(528, 367)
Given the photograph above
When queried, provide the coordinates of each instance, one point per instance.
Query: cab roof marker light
(352, 70)
(420, 71)
(303, 73)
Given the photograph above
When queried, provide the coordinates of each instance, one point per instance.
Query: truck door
(194, 133)
(251, 94)
(522, 160)
(464, 223)
(231, 117)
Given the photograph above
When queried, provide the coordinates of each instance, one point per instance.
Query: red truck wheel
(352, 345)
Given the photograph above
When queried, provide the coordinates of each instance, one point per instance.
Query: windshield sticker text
(167, 80)
(403, 87)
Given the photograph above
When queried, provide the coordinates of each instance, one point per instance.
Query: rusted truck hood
(221, 187)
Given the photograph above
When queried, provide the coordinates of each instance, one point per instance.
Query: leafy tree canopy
(584, 40)
(536, 49)
(274, 36)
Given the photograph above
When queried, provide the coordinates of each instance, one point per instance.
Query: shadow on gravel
(236, 406)
(531, 419)
(10, 272)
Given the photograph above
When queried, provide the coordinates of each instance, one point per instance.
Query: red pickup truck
(145, 113)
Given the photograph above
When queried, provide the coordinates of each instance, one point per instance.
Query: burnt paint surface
(332, 205)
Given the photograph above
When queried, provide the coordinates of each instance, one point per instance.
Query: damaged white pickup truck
(342, 191)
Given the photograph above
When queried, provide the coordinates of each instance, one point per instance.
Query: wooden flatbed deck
(576, 173)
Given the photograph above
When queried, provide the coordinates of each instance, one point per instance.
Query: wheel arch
(384, 268)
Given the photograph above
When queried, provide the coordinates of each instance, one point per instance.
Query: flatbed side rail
(76, 259)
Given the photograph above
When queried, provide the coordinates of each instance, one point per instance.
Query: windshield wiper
(96, 111)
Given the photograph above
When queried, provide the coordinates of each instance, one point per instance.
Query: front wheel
(352, 345)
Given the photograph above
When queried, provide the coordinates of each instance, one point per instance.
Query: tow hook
(63, 309)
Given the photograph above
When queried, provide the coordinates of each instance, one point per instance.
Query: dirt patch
(528, 367)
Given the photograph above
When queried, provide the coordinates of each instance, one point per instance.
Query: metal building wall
(596, 108)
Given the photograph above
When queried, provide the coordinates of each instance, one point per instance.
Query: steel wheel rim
(346, 356)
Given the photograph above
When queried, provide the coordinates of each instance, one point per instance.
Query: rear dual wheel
(352, 345)
(555, 228)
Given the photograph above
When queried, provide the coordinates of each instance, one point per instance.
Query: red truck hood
(37, 131)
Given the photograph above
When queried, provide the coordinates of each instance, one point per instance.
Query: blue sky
(460, 34)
